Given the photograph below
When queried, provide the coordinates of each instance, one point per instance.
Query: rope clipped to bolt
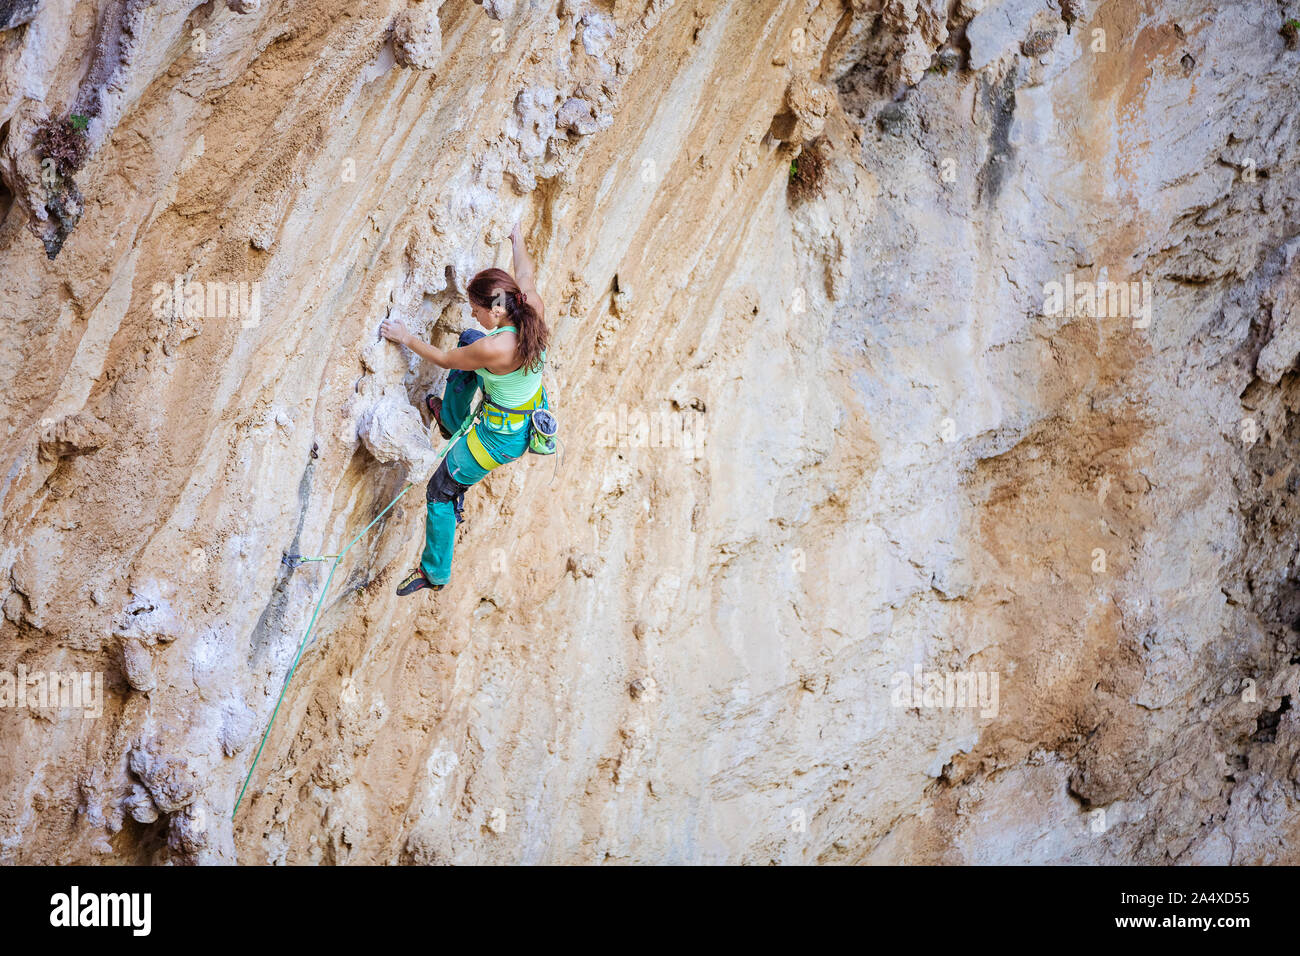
(293, 560)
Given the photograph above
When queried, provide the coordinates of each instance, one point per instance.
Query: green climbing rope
(302, 645)
(338, 558)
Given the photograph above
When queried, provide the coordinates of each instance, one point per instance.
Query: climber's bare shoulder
(489, 352)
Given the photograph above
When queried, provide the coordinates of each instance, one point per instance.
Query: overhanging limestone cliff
(814, 239)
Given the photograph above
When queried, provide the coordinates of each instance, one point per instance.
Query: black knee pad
(442, 486)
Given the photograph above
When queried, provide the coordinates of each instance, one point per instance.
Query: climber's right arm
(524, 273)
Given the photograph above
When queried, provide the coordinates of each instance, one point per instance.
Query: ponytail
(497, 287)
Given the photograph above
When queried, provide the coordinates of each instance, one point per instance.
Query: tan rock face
(926, 384)
(417, 36)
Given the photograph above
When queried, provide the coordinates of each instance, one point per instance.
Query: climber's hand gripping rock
(395, 331)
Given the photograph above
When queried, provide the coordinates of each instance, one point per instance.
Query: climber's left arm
(476, 355)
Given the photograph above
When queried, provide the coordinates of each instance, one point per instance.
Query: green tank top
(514, 389)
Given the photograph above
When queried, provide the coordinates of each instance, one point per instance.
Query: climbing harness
(542, 425)
(543, 429)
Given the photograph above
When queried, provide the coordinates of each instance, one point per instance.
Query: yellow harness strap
(473, 442)
(480, 453)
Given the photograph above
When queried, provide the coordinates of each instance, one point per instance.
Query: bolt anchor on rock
(293, 561)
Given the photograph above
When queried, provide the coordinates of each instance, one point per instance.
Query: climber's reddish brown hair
(498, 287)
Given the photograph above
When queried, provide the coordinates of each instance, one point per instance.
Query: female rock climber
(506, 363)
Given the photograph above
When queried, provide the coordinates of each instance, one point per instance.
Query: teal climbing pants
(494, 439)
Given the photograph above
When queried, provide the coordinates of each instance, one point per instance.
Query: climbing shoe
(434, 404)
(414, 582)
